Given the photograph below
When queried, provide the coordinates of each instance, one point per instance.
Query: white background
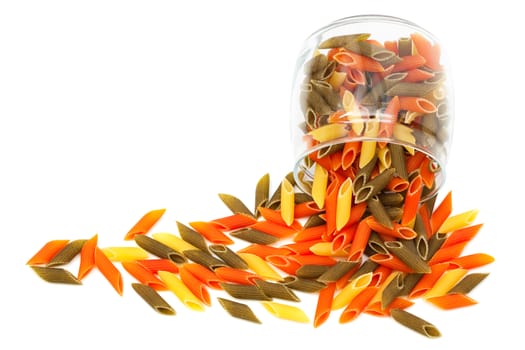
(109, 109)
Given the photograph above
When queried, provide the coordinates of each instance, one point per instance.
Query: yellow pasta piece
(403, 133)
(378, 297)
(351, 290)
(348, 101)
(329, 132)
(445, 283)
(368, 148)
(385, 161)
(458, 221)
(344, 204)
(325, 249)
(173, 241)
(123, 254)
(287, 202)
(181, 291)
(286, 312)
(319, 184)
(260, 267)
(337, 79)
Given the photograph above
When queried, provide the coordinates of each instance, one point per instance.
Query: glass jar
(372, 88)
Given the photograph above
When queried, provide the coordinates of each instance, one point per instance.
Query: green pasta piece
(397, 154)
(374, 95)
(410, 89)
(55, 275)
(374, 186)
(404, 47)
(394, 79)
(159, 249)
(434, 243)
(343, 40)
(276, 290)
(376, 243)
(379, 212)
(192, 237)
(328, 150)
(245, 291)
(378, 53)
(415, 323)
(66, 254)
(303, 284)
(204, 259)
(316, 101)
(407, 256)
(366, 267)
(391, 199)
(393, 290)
(337, 271)
(315, 65)
(311, 271)
(228, 256)
(410, 282)
(275, 198)
(395, 213)
(421, 241)
(468, 283)
(327, 93)
(235, 204)
(153, 298)
(314, 220)
(363, 174)
(254, 236)
(238, 310)
(262, 193)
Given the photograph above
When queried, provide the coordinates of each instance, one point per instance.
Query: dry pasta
(150, 296)
(415, 323)
(286, 312)
(181, 291)
(238, 310)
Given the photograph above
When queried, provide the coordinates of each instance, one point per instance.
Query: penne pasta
(415, 323)
(110, 272)
(344, 204)
(175, 243)
(458, 221)
(286, 312)
(143, 275)
(87, 257)
(262, 193)
(227, 255)
(324, 304)
(319, 185)
(55, 275)
(47, 252)
(276, 290)
(188, 235)
(195, 285)
(238, 310)
(351, 290)
(121, 254)
(244, 291)
(145, 223)
(153, 299)
(159, 249)
(181, 291)
(210, 232)
(204, 259)
(67, 253)
(444, 284)
(452, 301)
(235, 205)
(156, 265)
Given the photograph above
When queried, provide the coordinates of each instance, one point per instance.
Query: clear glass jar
(372, 87)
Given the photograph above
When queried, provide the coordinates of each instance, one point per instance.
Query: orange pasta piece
(441, 213)
(471, 261)
(358, 304)
(284, 263)
(276, 230)
(310, 233)
(87, 257)
(391, 45)
(397, 184)
(413, 162)
(376, 309)
(206, 276)
(306, 209)
(391, 261)
(211, 232)
(428, 280)
(343, 238)
(426, 174)
(448, 253)
(106, 267)
(452, 301)
(275, 217)
(353, 60)
(465, 234)
(156, 265)
(234, 221)
(143, 275)
(324, 304)
(145, 223)
(417, 104)
(349, 154)
(380, 275)
(408, 63)
(430, 52)
(398, 231)
(417, 75)
(360, 241)
(230, 274)
(195, 285)
(411, 203)
(331, 208)
(263, 251)
(301, 247)
(47, 252)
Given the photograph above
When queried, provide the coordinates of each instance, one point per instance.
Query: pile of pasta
(285, 246)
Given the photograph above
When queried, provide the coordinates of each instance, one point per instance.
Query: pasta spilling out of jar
(357, 224)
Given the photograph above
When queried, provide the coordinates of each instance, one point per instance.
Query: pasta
(121, 254)
(55, 275)
(189, 235)
(344, 204)
(87, 257)
(159, 249)
(286, 312)
(356, 286)
(262, 193)
(415, 323)
(235, 204)
(244, 291)
(319, 185)
(227, 255)
(143, 275)
(204, 259)
(176, 244)
(210, 232)
(181, 291)
(203, 274)
(230, 274)
(67, 253)
(110, 272)
(145, 223)
(276, 290)
(260, 267)
(238, 310)
(287, 202)
(156, 265)
(150, 296)
(47, 252)
(324, 304)
(195, 285)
